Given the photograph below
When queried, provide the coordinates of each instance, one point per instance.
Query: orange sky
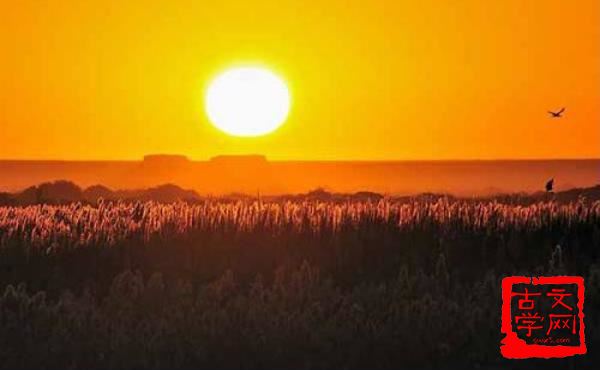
(389, 80)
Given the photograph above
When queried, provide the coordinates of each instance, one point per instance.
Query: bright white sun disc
(247, 101)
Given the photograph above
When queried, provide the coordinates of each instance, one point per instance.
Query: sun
(247, 101)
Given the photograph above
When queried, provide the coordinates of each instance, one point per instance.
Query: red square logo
(542, 317)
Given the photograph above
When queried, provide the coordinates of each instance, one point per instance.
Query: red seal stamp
(542, 317)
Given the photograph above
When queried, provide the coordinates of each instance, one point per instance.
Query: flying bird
(550, 185)
(557, 114)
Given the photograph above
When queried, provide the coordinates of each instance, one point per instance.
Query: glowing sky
(369, 80)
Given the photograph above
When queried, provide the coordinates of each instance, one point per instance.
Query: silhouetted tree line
(65, 192)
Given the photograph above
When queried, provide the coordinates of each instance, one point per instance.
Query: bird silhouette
(557, 114)
(550, 185)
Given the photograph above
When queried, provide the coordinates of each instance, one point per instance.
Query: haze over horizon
(245, 155)
(249, 174)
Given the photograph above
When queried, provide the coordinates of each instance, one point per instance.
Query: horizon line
(209, 159)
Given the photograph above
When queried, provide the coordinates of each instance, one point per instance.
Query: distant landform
(254, 174)
(65, 192)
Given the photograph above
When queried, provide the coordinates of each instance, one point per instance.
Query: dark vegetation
(411, 282)
(65, 192)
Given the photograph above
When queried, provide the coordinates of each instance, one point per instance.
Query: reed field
(281, 284)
